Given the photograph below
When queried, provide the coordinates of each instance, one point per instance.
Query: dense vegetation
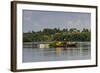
(57, 35)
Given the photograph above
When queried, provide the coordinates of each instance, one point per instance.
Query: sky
(35, 20)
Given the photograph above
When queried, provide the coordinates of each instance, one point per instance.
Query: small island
(48, 38)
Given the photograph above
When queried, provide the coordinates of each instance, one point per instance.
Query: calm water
(82, 52)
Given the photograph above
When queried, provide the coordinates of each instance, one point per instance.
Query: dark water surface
(82, 52)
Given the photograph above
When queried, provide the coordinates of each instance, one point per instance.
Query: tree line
(57, 34)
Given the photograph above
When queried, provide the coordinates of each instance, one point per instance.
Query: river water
(82, 52)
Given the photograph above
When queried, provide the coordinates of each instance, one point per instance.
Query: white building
(43, 45)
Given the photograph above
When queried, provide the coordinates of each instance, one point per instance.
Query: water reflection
(58, 50)
(56, 54)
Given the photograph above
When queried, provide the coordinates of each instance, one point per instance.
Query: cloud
(38, 20)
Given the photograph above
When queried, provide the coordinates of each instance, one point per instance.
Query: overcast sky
(38, 20)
